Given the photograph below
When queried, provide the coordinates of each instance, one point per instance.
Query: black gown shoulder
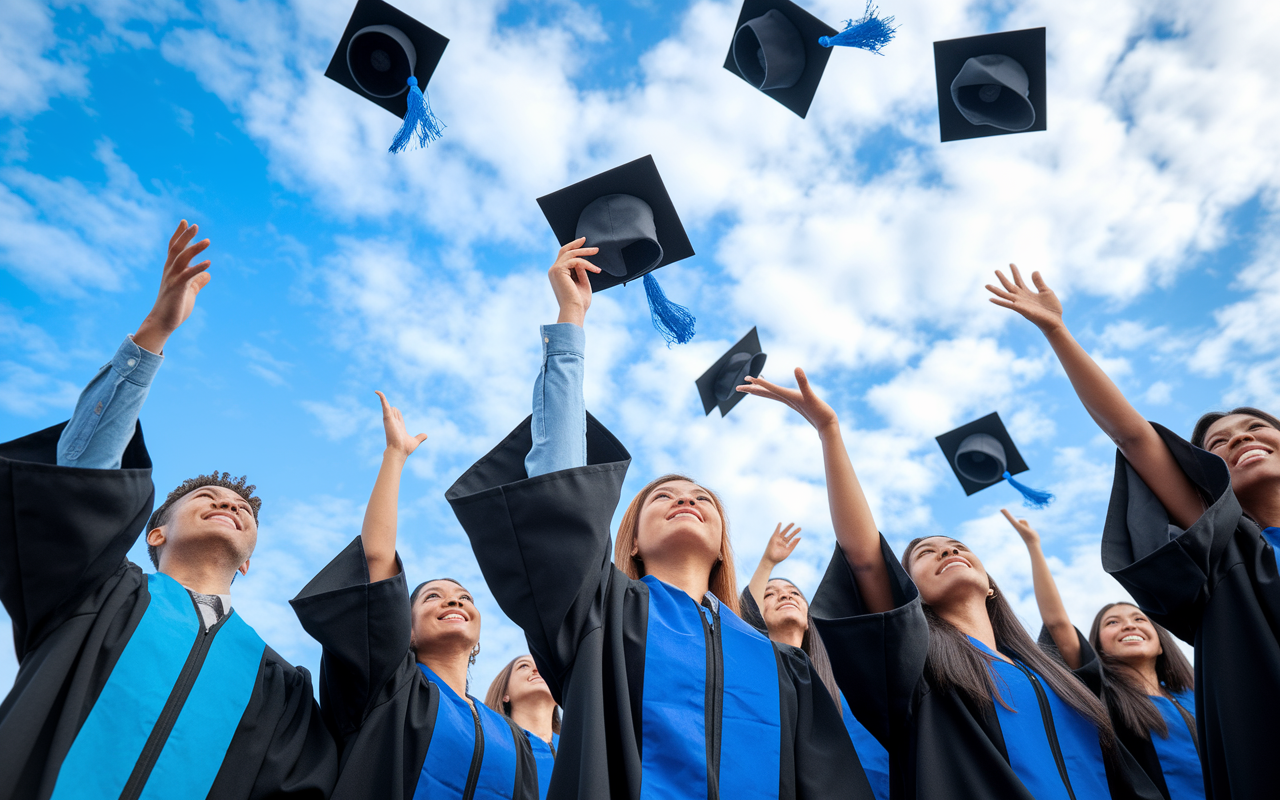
(1216, 586)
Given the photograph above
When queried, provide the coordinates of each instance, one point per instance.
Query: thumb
(200, 281)
(420, 438)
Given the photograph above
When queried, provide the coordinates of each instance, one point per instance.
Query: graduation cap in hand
(991, 85)
(718, 386)
(782, 50)
(982, 454)
(387, 57)
(627, 213)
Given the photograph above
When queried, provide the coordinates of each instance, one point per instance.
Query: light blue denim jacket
(559, 409)
(107, 411)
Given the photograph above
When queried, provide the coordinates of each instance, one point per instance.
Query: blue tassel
(1031, 498)
(674, 322)
(418, 118)
(869, 33)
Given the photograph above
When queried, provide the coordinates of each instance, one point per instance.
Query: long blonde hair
(498, 690)
(723, 581)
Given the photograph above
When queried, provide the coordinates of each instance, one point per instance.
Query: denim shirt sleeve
(559, 410)
(107, 411)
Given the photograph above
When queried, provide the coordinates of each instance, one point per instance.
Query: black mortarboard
(991, 85)
(775, 49)
(387, 57)
(718, 385)
(627, 213)
(982, 454)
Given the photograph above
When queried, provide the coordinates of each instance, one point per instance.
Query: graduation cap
(627, 213)
(991, 85)
(982, 454)
(718, 385)
(782, 50)
(387, 57)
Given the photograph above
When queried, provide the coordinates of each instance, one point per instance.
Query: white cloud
(32, 71)
(29, 393)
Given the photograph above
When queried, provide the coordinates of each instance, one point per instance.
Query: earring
(475, 651)
(991, 593)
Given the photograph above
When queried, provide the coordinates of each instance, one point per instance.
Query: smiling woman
(520, 693)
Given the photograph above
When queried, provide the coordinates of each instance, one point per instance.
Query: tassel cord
(419, 121)
(1031, 498)
(673, 321)
(871, 33)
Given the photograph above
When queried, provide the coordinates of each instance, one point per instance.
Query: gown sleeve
(878, 659)
(63, 530)
(543, 543)
(363, 629)
(1172, 573)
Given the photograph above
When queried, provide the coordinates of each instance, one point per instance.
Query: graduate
(778, 608)
(1191, 535)
(666, 691)
(519, 692)
(1134, 666)
(393, 672)
(133, 684)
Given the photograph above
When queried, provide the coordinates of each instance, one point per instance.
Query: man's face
(212, 521)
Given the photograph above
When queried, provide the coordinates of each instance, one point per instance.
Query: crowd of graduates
(649, 674)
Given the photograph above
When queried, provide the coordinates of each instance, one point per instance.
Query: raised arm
(559, 411)
(1137, 440)
(855, 527)
(781, 544)
(106, 414)
(1052, 612)
(378, 535)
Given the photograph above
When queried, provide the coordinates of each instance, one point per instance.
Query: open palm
(803, 399)
(1041, 306)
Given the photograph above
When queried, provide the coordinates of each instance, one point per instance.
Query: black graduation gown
(1215, 586)
(545, 549)
(77, 605)
(941, 745)
(382, 706)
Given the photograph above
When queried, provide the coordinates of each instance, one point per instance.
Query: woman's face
(445, 615)
(783, 606)
(1127, 634)
(946, 572)
(1251, 448)
(525, 683)
(679, 518)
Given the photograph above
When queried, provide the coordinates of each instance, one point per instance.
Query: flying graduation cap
(387, 57)
(627, 213)
(991, 85)
(782, 50)
(718, 386)
(982, 454)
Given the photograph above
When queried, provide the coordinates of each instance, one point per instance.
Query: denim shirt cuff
(136, 364)
(563, 338)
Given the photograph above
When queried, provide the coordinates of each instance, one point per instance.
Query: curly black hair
(215, 478)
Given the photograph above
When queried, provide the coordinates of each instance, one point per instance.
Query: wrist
(830, 431)
(575, 314)
(394, 455)
(1055, 330)
(151, 336)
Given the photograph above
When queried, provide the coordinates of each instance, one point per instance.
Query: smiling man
(131, 684)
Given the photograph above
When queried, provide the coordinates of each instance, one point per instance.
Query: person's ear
(155, 537)
(244, 568)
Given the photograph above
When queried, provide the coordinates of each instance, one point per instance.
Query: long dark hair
(1125, 696)
(954, 664)
(1202, 424)
(811, 644)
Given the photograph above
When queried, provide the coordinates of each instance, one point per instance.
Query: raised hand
(570, 281)
(1041, 307)
(399, 441)
(1029, 535)
(179, 284)
(803, 399)
(782, 543)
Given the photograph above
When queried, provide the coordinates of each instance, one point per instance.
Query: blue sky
(855, 241)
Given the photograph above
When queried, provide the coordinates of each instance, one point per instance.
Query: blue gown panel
(874, 758)
(1027, 741)
(751, 722)
(1179, 759)
(447, 765)
(544, 758)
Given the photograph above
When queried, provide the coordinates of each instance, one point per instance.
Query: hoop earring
(475, 651)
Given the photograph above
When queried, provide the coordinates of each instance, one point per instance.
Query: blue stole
(110, 742)
(453, 743)
(544, 759)
(1179, 760)
(1027, 741)
(1272, 535)
(674, 712)
(874, 758)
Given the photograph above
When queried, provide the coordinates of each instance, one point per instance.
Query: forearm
(559, 409)
(855, 527)
(107, 411)
(1053, 613)
(1131, 432)
(760, 579)
(378, 534)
